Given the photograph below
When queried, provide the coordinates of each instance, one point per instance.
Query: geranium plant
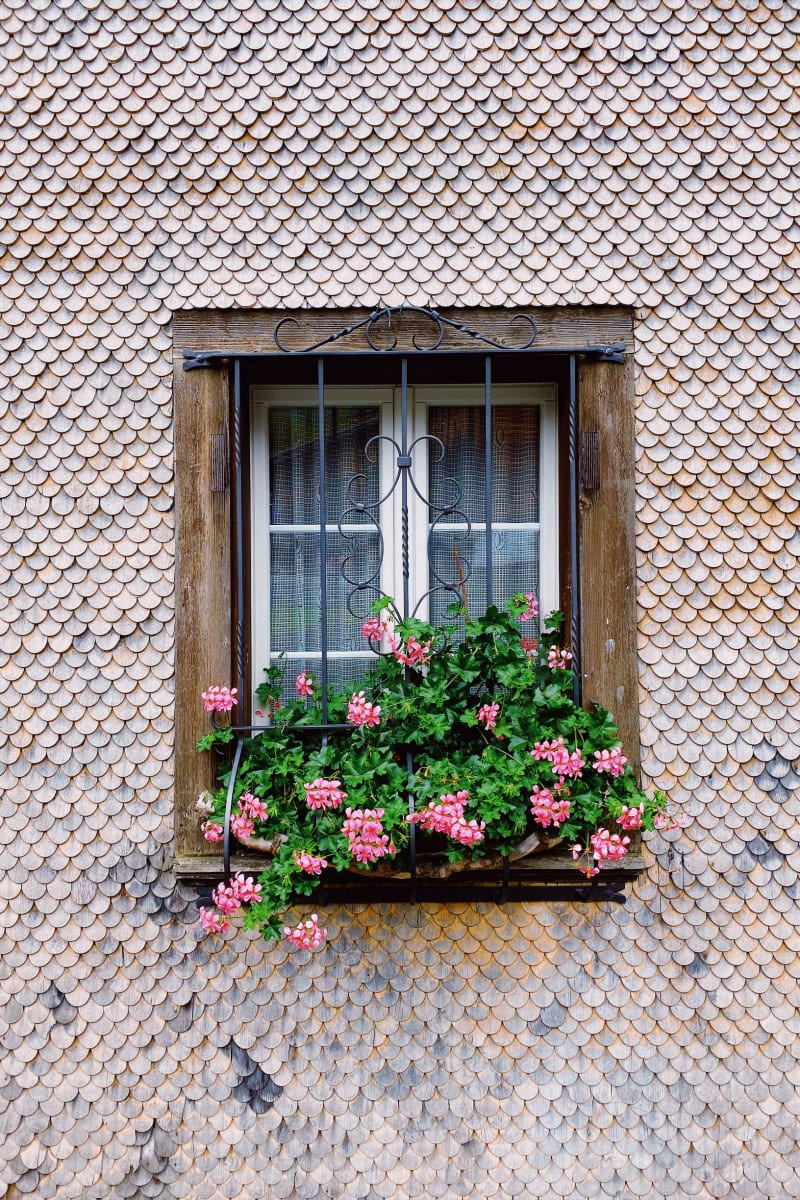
(469, 733)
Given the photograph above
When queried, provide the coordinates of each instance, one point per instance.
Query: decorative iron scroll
(379, 331)
(404, 464)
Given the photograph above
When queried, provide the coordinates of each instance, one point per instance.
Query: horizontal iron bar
(378, 891)
(193, 360)
(452, 893)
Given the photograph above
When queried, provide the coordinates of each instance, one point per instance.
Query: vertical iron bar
(226, 825)
(323, 540)
(404, 464)
(412, 835)
(487, 403)
(239, 538)
(575, 583)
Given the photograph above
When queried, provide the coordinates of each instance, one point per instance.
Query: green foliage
(430, 707)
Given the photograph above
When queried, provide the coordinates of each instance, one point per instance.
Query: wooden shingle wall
(160, 157)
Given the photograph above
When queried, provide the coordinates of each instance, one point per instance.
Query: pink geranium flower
(219, 699)
(212, 922)
(242, 827)
(447, 816)
(533, 608)
(304, 684)
(250, 806)
(312, 864)
(363, 712)
(366, 839)
(413, 654)
(631, 818)
(547, 809)
(374, 628)
(613, 761)
(324, 793)
(488, 714)
(546, 751)
(307, 935)
(558, 659)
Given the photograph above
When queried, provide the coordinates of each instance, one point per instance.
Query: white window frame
(387, 400)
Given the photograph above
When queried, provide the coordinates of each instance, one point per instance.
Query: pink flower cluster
(304, 684)
(310, 863)
(211, 831)
(251, 809)
(219, 699)
(603, 847)
(366, 840)
(363, 712)
(546, 809)
(631, 818)
(374, 627)
(612, 760)
(307, 935)
(213, 922)
(563, 762)
(546, 751)
(241, 890)
(488, 714)
(609, 847)
(228, 899)
(533, 607)
(242, 826)
(447, 816)
(558, 659)
(666, 821)
(413, 655)
(324, 793)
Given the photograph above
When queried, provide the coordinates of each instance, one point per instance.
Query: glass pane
(295, 602)
(515, 460)
(294, 463)
(515, 568)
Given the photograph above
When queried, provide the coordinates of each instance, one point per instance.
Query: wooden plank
(557, 867)
(203, 585)
(252, 332)
(607, 549)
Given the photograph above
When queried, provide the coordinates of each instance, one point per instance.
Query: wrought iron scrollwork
(357, 506)
(380, 331)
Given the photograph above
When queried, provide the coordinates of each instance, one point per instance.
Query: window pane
(457, 552)
(295, 601)
(294, 463)
(515, 565)
(515, 460)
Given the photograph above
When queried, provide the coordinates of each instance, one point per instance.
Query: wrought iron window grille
(381, 331)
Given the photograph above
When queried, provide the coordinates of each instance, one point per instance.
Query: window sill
(550, 877)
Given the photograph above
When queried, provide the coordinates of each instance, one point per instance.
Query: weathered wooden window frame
(207, 540)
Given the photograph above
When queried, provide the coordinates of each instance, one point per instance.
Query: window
(559, 477)
(448, 561)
